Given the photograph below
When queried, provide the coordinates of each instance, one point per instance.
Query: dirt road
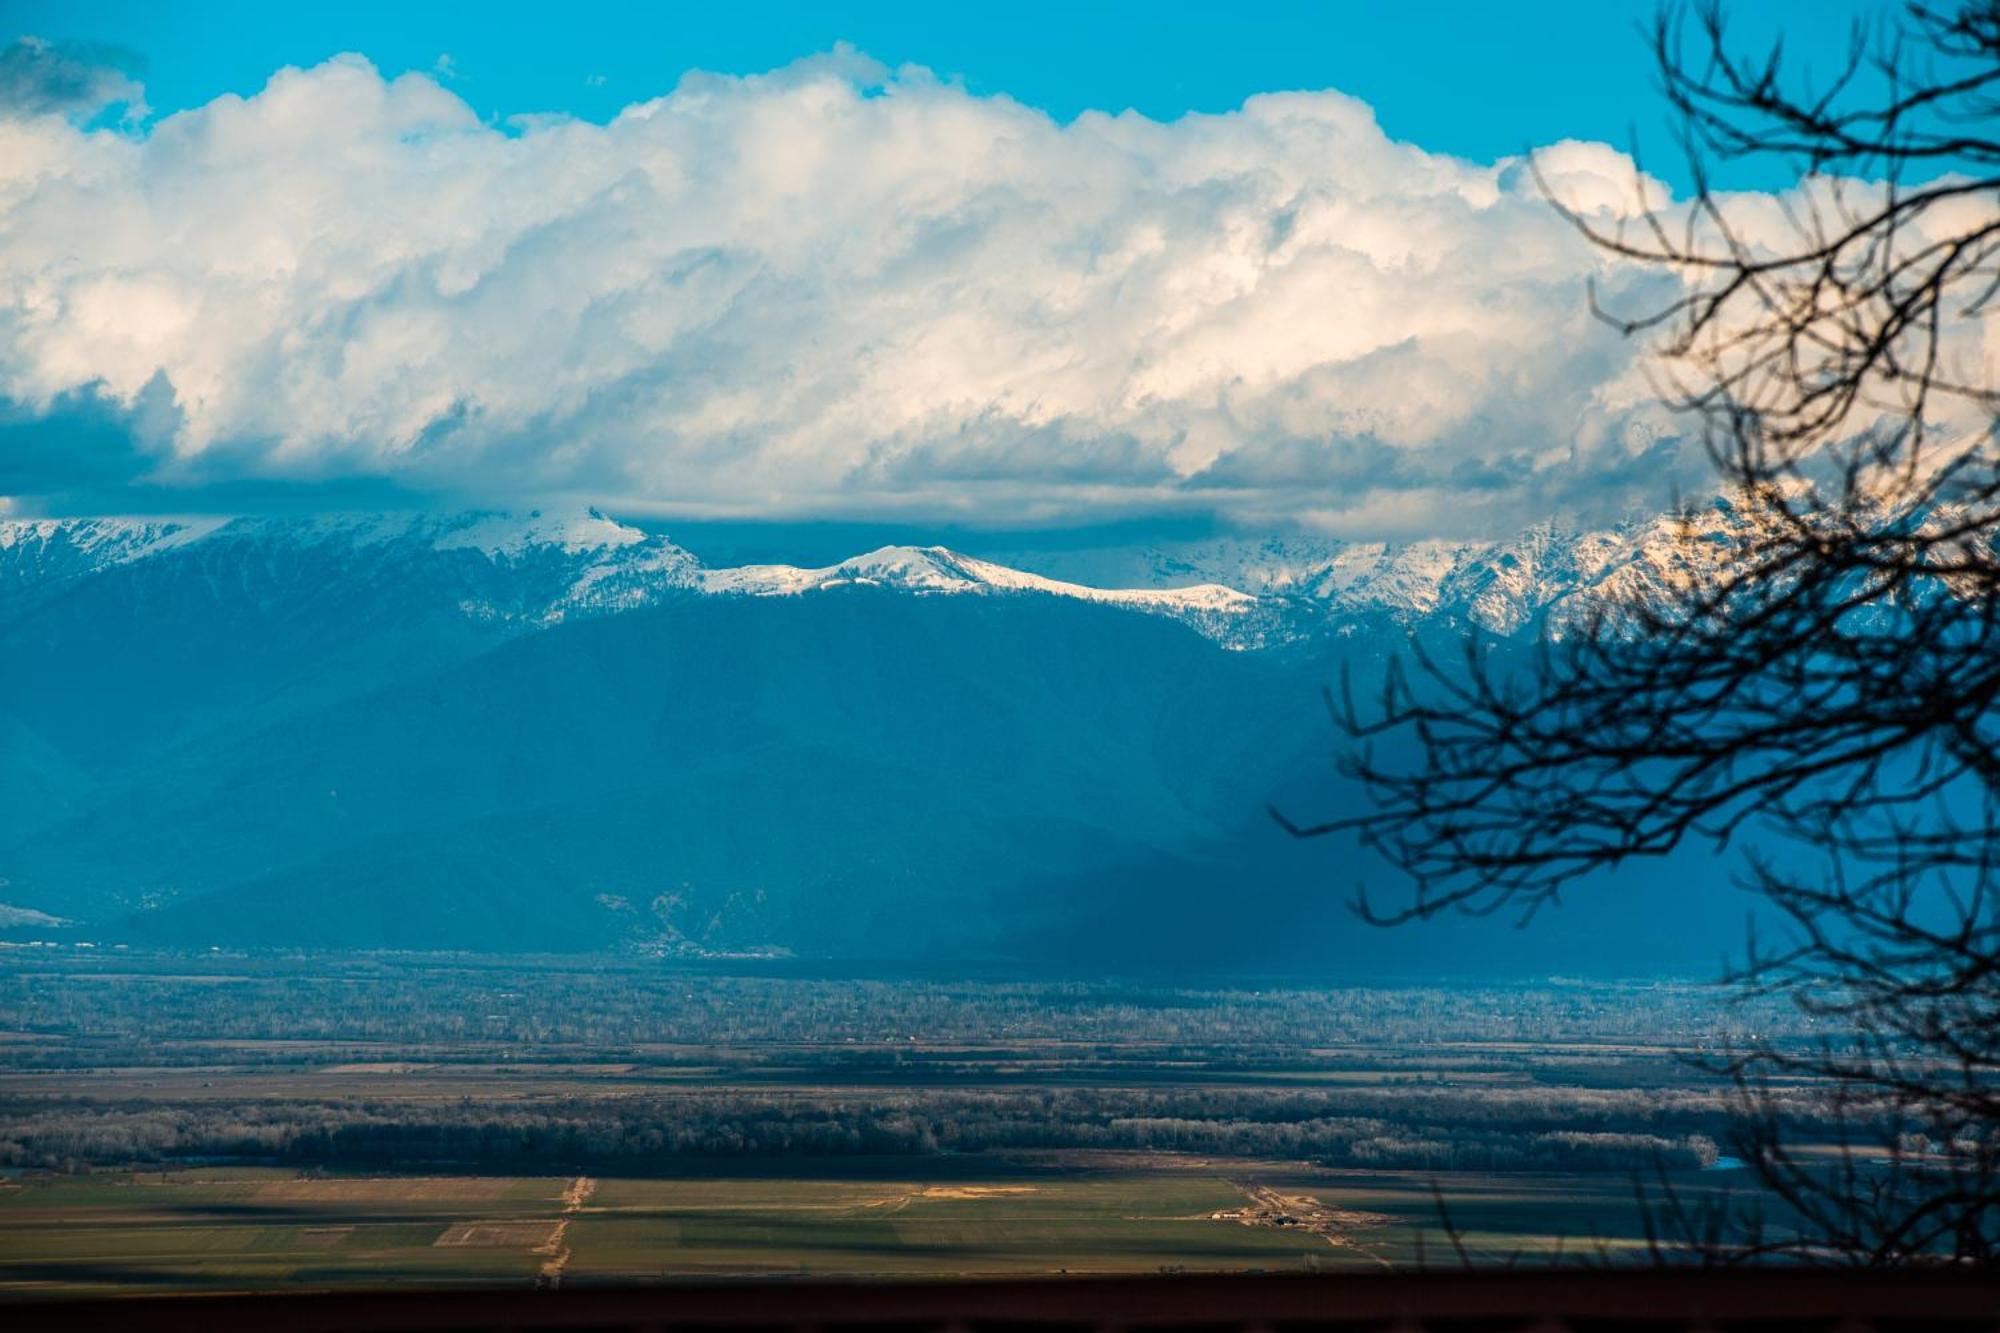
(558, 1252)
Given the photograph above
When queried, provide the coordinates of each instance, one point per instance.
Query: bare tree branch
(1813, 660)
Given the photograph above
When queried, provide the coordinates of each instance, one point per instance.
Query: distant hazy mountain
(559, 732)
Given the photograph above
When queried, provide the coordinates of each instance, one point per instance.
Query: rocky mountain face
(560, 732)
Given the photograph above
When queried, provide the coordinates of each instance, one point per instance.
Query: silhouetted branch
(1814, 657)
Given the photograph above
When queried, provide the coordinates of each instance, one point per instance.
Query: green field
(1134, 1222)
(226, 1228)
(241, 1228)
(264, 1228)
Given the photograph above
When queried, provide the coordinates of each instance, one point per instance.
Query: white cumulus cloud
(830, 289)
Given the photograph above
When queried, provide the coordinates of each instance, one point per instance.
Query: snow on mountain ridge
(548, 566)
(936, 569)
(600, 566)
(39, 555)
(495, 535)
(1497, 585)
(506, 534)
(109, 539)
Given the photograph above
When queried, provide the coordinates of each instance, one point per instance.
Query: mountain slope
(710, 747)
(494, 732)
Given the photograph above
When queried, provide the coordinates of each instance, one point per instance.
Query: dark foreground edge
(1584, 1302)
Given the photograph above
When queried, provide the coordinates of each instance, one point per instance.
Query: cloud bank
(827, 290)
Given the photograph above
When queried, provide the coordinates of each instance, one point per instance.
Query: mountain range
(556, 731)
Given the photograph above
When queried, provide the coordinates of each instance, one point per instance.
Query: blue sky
(1469, 77)
(514, 255)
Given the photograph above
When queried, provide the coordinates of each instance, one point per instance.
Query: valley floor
(208, 1121)
(263, 1228)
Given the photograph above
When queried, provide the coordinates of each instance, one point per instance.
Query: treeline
(1437, 1130)
(139, 1003)
(1563, 1076)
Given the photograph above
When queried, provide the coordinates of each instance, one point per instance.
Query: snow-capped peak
(937, 569)
(916, 568)
(511, 534)
(550, 565)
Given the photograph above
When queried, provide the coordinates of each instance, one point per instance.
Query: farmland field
(268, 1227)
(244, 1122)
